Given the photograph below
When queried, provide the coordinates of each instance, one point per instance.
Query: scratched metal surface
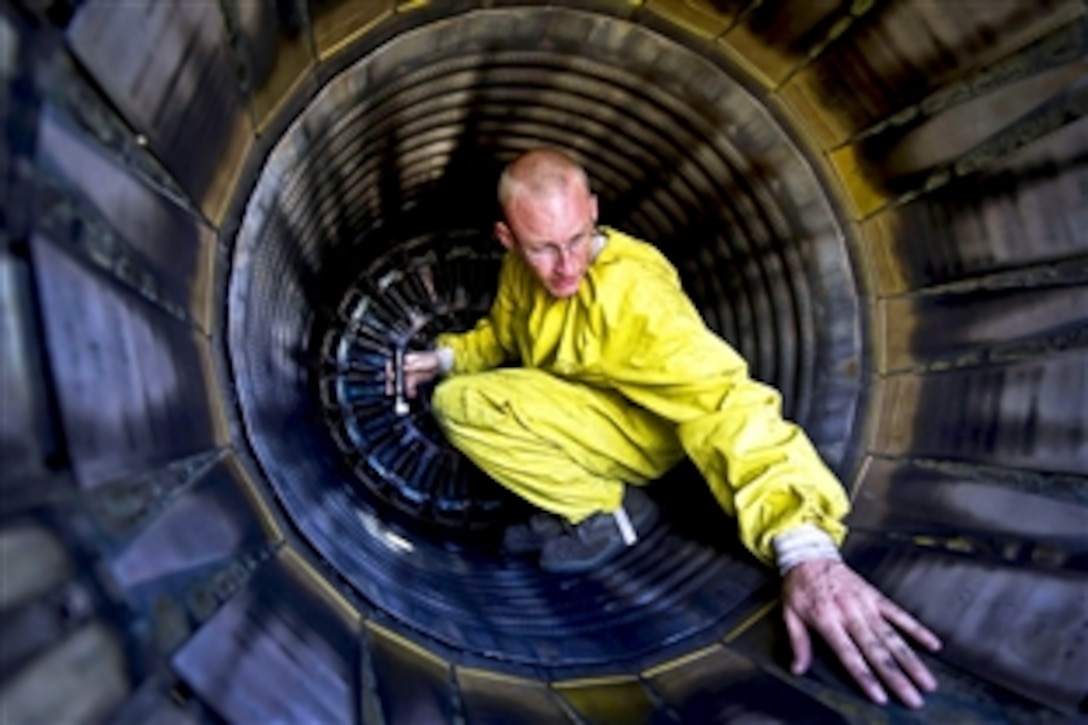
(129, 379)
(276, 651)
(125, 224)
(168, 68)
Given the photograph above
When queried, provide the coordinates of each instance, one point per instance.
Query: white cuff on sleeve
(445, 359)
(802, 544)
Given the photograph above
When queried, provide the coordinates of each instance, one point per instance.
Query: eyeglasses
(554, 251)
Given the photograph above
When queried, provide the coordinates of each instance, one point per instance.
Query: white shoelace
(627, 529)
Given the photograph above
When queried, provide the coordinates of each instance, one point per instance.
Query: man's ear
(504, 235)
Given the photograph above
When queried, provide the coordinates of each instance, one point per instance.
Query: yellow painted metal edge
(405, 643)
(296, 562)
(750, 620)
(747, 67)
(339, 46)
(220, 428)
(201, 298)
(228, 172)
(275, 109)
(706, 23)
(682, 661)
(606, 681)
(269, 523)
(500, 677)
(859, 478)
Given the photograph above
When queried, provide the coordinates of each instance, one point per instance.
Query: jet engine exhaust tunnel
(221, 219)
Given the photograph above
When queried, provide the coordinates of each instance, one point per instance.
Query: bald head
(550, 216)
(538, 174)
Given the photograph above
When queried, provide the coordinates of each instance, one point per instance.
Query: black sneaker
(600, 537)
(530, 536)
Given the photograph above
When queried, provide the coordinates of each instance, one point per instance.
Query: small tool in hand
(400, 404)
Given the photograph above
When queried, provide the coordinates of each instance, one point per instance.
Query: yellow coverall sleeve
(490, 342)
(762, 469)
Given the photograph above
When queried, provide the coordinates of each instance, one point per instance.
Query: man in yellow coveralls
(618, 378)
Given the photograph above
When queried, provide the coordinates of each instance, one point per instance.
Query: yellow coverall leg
(565, 447)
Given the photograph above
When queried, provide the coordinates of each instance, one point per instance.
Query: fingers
(844, 644)
(908, 661)
(891, 659)
(412, 381)
(904, 621)
(419, 368)
(419, 361)
(859, 625)
(885, 659)
(800, 642)
(877, 658)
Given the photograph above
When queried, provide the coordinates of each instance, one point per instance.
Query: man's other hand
(861, 625)
(419, 369)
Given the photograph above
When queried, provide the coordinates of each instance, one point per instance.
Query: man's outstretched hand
(860, 625)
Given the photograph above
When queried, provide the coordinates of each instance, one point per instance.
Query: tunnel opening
(390, 173)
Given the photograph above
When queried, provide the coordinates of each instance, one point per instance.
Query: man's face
(554, 235)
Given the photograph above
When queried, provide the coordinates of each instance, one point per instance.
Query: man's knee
(447, 400)
(496, 397)
(487, 400)
(469, 401)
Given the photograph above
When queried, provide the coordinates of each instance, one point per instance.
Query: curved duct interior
(213, 247)
(384, 187)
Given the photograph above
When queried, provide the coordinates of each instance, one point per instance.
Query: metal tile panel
(1025, 415)
(211, 521)
(413, 685)
(493, 698)
(166, 243)
(130, 380)
(1005, 506)
(717, 685)
(775, 38)
(975, 326)
(82, 679)
(906, 49)
(274, 51)
(278, 651)
(1029, 210)
(26, 440)
(608, 700)
(699, 17)
(167, 67)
